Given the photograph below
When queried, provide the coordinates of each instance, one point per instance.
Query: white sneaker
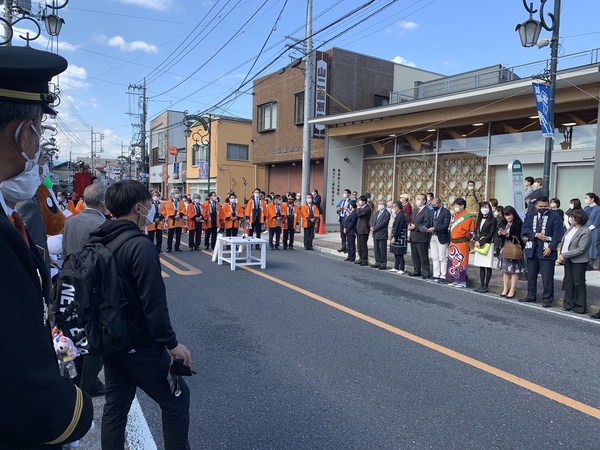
(393, 270)
(400, 272)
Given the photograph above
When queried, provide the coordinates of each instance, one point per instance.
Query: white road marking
(137, 432)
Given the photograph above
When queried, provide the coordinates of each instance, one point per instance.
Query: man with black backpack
(144, 362)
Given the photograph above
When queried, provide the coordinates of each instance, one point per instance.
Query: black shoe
(358, 261)
(375, 266)
(595, 316)
(503, 295)
(347, 259)
(272, 248)
(350, 260)
(168, 250)
(364, 264)
(566, 309)
(276, 248)
(382, 267)
(177, 249)
(547, 305)
(340, 250)
(191, 249)
(291, 247)
(414, 274)
(285, 247)
(441, 281)
(206, 247)
(432, 278)
(511, 296)
(527, 300)
(483, 290)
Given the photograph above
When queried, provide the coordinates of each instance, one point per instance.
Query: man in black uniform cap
(39, 408)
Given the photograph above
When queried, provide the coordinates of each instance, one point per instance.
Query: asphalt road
(347, 357)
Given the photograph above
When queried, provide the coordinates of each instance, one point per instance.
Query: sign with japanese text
(320, 101)
(541, 93)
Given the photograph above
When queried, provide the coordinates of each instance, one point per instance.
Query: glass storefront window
(573, 181)
(498, 181)
(417, 142)
(464, 138)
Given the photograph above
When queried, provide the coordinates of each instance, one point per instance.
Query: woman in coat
(485, 231)
(510, 268)
(398, 245)
(575, 247)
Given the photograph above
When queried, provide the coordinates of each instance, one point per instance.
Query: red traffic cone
(321, 227)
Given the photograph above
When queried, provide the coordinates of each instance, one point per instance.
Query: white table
(240, 252)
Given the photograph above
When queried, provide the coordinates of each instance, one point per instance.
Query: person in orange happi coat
(232, 214)
(309, 214)
(195, 222)
(275, 220)
(212, 214)
(156, 228)
(174, 210)
(292, 212)
(256, 211)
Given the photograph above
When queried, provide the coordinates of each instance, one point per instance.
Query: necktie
(19, 226)
(156, 207)
(277, 210)
(539, 224)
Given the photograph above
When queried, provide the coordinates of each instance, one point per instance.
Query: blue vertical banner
(541, 93)
(176, 171)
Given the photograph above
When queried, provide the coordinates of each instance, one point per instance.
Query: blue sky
(115, 43)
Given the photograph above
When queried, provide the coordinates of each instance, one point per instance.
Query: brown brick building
(348, 82)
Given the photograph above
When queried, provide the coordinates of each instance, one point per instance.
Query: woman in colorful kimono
(461, 232)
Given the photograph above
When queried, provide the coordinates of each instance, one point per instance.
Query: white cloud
(74, 77)
(120, 43)
(404, 61)
(42, 42)
(406, 25)
(159, 5)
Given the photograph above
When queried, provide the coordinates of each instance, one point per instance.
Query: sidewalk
(330, 243)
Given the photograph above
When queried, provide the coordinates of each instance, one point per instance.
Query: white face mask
(22, 187)
(156, 198)
(256, 195)
(471, 188)
(29, 163)
(535, 185)
(418, 203)
(571, 221)
(495, 213)
(59, 198)
(571, 206)
(485, 211)
(345, 195)
(176, 195)
(553, 205)
(45, 173)
(232, 200)
(309, 200)
(380, 207)
(457, 208)
(587, 201)
(149, 216)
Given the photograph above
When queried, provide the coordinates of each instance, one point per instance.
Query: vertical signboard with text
(320, 88)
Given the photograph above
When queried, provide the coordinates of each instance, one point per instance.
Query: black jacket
(441, 225)
(399, 230)
(351, 221)
(515, 230)
(364, 218)
(37, 404)
(380, 222)
(143, 286)
(485, 235)
(420, 219)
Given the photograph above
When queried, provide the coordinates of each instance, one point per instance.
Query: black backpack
(87, 300)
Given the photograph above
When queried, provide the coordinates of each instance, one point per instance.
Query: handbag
(483, 249)
(512, 250)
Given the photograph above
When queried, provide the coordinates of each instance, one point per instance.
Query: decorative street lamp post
(189, 121)
(529, 32)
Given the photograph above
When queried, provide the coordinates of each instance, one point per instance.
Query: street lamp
(22, 11)
(189, 121)
(529, 32)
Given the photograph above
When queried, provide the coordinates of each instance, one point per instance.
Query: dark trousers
(545, 267)
(288, 238)
(88, 367)
(420, 257)
(342, 234)
(256, 228)
(363, 249)
(574, 282)
(177, 232)
(399, 262)
(380, 248)
(146, 368)
(274, 232)
(195, 237)
(351, 246)
(309, 235)
(210, 237)
(156, 235)
(231, 231)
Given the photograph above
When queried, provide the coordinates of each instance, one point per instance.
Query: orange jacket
(195, 221)
(305, 214)
(174, 216)
(206, 211)
(80, 206)
(250, 210)
(227, 215)
(296, 213)
(272, 215)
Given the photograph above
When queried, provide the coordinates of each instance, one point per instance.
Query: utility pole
(308, 74)
(140, 140)
(8, 16)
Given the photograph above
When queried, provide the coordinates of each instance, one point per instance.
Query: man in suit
(32, 396)
(350, 232)
(309, 215)
(155, 229)
(343, 211)
(537, 186)
(440, 239)
(256, 214)
(379, 228)
(174, 210)
(212, 213)
(544, 231)
(420, 222)
(363, 213)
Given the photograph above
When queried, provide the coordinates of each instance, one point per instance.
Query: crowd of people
(443, 242)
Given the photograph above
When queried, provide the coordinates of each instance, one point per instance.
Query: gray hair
(10, 111)
(94, 195)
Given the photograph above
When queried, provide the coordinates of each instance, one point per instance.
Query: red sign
(173, 151)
